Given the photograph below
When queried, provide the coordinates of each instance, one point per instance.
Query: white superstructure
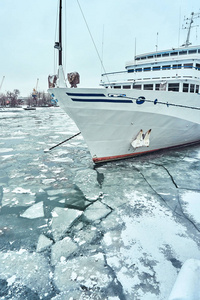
(171, 70)
(154, 104)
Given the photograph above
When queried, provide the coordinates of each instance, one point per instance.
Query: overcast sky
(28, 30)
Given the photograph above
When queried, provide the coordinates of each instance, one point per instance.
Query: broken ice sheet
(139, 254)
(62, 220)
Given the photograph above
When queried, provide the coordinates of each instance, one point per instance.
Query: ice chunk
(62, 220)
(30, 269)
(85, 235)
(48, 181)
(64, 248)
(97, 211)
(86, 180)
(35, 211)
(43, 243)
(22, 191)
(11, 280)
(187, 284)
(56, 192)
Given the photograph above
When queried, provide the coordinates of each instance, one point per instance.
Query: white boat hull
(114, 126)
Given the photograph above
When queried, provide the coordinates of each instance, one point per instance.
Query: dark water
(72, 231)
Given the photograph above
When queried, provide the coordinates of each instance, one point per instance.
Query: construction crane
(34, 94)
(2, 82)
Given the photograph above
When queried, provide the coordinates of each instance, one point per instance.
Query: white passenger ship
(154, 104)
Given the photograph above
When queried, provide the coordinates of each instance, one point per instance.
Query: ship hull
(118, 124)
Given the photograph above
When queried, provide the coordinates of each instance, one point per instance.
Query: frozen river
(69, 231)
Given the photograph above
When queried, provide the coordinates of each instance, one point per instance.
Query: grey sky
(28, 34)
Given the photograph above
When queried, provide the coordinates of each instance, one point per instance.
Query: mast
(58, 45)
(60, 35)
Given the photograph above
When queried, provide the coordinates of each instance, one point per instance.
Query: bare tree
(12, 97)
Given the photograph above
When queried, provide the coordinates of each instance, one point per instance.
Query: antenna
(157, 42)
(135, 50)
(188, 26)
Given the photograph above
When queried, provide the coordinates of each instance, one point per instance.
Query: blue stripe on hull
(85, 95)
(101, 100)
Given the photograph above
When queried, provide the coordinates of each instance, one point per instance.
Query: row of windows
(166, 67)
(175, 87)
(170, 53)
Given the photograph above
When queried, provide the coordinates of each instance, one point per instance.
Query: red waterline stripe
(117, 157)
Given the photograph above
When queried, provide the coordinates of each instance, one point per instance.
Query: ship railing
(116, 76)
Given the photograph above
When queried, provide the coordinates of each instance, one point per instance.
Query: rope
(93, 41)
(71, 137)
(163, 103)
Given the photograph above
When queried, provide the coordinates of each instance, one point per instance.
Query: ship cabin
(175, 70)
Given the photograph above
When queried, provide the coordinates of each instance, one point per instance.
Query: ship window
(126, 86)
(182, 52)
(137, 58)
(158, 55)
(156, 68)
(173, 87)
(157, 86)
(198, 66)
(131, 71)
(148, 87)
(138, 70)
(198, 50)
(185, 87)
(150, 56)
(192, 51)
(147, 69)
(165, 54)
(137, 86)
(117, 87)
(173, 53)
(188, 66)
(191, 88)
(197, 88)
(143, 57)
(176, 66)
(166, 67)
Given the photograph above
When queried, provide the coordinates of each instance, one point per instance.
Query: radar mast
(188, 25)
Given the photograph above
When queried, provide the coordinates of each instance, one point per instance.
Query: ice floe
(63, 248)
(43, 243)
(86, 180)
(35, 211)
(97, 211)
(62, 220)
